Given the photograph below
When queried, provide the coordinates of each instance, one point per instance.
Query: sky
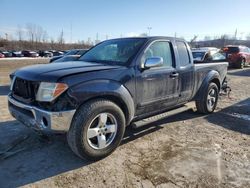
(84, 19)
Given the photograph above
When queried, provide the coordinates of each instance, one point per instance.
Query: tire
(241, 63)
(211, 94)
(92, 122)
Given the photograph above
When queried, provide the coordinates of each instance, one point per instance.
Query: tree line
(34, 37)
(219, 42)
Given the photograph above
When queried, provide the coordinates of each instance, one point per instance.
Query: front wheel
(96, 129)
(209, 98)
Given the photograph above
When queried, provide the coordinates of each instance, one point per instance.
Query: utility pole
(97, 38)
(71, 32)
(61, 39)
(235, 34)
(149, 28)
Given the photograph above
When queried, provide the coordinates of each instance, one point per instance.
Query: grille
(25, 90)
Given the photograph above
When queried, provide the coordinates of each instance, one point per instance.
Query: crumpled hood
(54, 71)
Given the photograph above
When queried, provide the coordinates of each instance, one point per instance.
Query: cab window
(183, 54)
(159, 49)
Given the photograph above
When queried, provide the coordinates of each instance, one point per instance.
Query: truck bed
(203, 69)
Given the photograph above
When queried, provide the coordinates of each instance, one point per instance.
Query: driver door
(157, 88)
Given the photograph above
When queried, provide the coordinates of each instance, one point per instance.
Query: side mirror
(153, 62)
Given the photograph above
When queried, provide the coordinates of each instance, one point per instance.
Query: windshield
(116, 51)
(198, 55)
(232, 49)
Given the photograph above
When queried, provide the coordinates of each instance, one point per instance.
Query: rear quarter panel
(206, 72)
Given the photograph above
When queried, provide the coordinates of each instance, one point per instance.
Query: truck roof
(153, 38)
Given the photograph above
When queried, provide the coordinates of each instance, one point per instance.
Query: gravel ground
(186, 150)
(7, 65)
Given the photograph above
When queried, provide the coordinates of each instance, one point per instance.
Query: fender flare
(211, 76)
(107, 89)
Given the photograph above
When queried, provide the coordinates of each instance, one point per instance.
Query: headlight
(47, 91)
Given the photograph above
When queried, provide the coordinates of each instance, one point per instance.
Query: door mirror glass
(153, 62)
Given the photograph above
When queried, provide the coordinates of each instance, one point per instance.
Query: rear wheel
(209, 98)
(96, 130)
(241, 64)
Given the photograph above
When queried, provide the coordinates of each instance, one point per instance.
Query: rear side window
(183, 53)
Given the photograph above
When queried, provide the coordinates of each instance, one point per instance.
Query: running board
(186, 107)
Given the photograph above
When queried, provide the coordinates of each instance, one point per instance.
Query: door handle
(174, 75)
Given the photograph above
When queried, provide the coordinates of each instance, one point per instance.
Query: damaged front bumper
(39, 119)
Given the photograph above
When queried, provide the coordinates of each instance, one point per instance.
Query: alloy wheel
(211, 99)
(102, 131)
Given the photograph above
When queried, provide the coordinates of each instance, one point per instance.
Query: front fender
(104, 89)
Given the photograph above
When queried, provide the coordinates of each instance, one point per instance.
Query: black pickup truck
(116, 83)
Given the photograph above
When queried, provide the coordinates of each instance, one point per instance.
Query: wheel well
(241, 58)
(217, 82)
(115, 100)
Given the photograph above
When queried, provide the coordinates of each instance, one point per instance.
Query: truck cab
(167, 84)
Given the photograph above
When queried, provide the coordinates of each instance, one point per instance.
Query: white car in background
(207, 54)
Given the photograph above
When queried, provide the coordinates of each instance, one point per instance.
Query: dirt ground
(185, 150)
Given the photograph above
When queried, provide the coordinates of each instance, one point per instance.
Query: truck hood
(54, 71)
